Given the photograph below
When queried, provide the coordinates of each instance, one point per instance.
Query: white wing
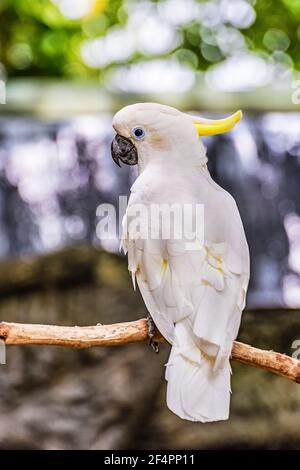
(196, 298)
(207, 286)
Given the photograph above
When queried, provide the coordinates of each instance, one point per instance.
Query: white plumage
(195, 297)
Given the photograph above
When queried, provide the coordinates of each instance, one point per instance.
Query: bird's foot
(151, 334)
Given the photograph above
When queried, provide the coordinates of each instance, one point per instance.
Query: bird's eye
(138, 133)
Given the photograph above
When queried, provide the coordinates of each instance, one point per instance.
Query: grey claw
(151, 333)
(154, 345)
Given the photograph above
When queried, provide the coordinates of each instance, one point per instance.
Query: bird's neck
(177, 158)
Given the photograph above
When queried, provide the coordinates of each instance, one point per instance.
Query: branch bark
(135, 332)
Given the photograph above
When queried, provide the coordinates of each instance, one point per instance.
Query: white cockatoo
(194, 291)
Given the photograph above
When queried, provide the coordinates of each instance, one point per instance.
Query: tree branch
(134, 332)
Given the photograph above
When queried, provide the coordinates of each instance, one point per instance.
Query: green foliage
(37, 39)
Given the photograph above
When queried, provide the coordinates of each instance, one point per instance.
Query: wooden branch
(135, 332)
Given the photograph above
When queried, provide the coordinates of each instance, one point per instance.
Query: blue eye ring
(138, 133)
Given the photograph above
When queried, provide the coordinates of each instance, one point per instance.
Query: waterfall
(53, 175)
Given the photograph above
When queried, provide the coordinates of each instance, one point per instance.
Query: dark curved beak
(123, 149)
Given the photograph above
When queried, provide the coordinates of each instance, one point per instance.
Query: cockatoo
(194, 292)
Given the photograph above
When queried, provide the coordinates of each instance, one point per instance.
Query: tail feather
(196, 391)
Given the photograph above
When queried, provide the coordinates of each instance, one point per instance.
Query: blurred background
(67, 67)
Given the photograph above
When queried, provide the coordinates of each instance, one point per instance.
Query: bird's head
(152, 132)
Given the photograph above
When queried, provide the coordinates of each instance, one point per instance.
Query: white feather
(196, 296)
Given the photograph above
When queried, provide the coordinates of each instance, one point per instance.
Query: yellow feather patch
(164, 265)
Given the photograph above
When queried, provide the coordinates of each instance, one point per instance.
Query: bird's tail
(196, 391)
